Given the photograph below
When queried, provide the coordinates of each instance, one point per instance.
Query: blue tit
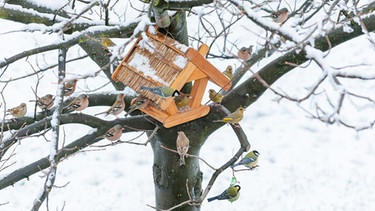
(163, 91)
(231, 194)
(250, 160)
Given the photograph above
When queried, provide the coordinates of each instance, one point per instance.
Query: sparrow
(79, 103)
(182, 144)
(137, 103)
(18, 111)
(117, 107)
(44, 102)
(245, 53)
(114, 133)
(69, 87)
(279, 16)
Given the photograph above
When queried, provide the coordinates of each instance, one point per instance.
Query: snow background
(304, 164)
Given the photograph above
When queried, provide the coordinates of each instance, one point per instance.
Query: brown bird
(245, 53)
(117, 107)
(114, 133)
(44, 102)
(139, 102)
(182, 144)
(234, 117)
(79, 103)
(214, 96)
(229, 72)
(18, 111)
(69, 87)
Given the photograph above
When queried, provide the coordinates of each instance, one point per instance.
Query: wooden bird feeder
(156, 60)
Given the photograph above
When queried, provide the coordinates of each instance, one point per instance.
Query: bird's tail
(220, 120)
(100, 113)
(146, 88)
(182, 160)
(211, 199)
(234, 165)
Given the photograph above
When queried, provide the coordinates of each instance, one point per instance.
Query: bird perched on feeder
(79, 103)
(245, 53)
(231, 194)
(18, 111)
(250, 160)
(279, 16)
(117, 107)
(234, 117)
(69, 87)
(214, 96)
(229, 72)
(139, 102)
(44, 102)
(182, 144)
(182, 100)
(114, 133)
(163, 91)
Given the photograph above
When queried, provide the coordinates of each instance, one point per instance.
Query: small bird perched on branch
(139, 102)
(69, 87)
(114, 133)
(231, 194)
(79, 103)
(182, 144)
(245, 53)
(107, 42)
(250, 160)
(44, 102)
(229, 72)
(214, 96)
(279, 16)
(18, 111)
(234, 117)
(163, 91)
(117, 107)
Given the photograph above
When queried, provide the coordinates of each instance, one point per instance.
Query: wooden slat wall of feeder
(162, 51)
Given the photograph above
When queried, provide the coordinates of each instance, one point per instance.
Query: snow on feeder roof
(155, 60)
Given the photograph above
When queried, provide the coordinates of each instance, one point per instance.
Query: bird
(279, 16)
(69, 87)
(79, 103)
(250, 160)
(245, 53)
(139, 102)
(182, 100)
(44, 102)
(214, 96)
(117, 107)
(163, 91)
(234, 117)
(114, 133)
(18, 111)
(107, 42)
(231, 194)
(229, 72)
(182, 144)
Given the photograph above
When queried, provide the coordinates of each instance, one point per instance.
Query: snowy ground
(304, 164)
